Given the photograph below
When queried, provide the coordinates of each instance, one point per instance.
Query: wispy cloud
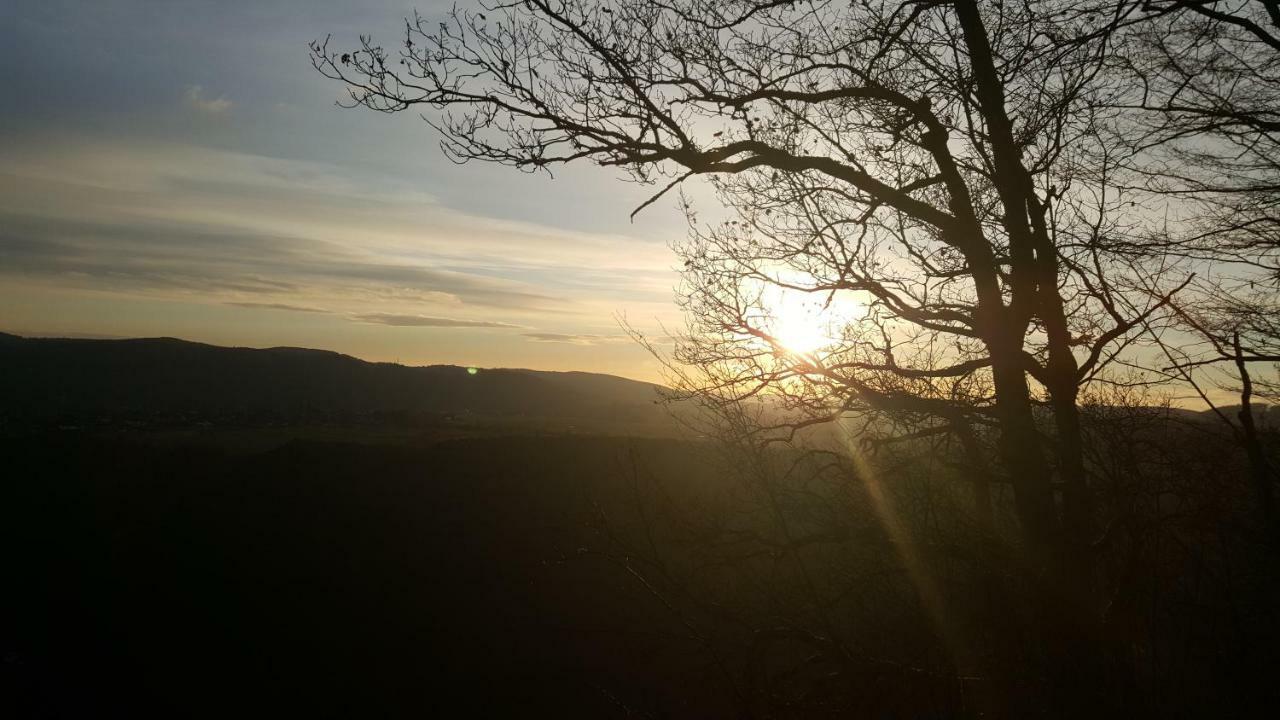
(277, 306)
(357, 255)
(178, 219)
(64, 335)
(427, 321)
(160, 191)
(574, 338)
(196, 100)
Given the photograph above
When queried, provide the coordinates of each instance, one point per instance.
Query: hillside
(171, 380)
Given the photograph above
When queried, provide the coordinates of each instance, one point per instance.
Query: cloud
(183, 222)
(426, 321)
(663, 339)
(212, 106)
(193, 257)
(66, 335)
(277, 306)
(574, 338)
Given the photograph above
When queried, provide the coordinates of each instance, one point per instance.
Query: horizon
(1177, 402)
(394, 361)
(401, 363)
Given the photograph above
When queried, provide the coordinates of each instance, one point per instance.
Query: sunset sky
(178, 168)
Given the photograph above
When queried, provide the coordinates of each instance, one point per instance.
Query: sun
(798, 321)
(800, 332)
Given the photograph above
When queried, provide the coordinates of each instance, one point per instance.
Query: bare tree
(1233, 335)
(1204, 134)
(1206, 105)
(1001, 223)
(922, 162)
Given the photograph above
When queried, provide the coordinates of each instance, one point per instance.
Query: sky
(178, 168)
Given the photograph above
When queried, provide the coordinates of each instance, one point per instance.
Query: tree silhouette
(920, 157)
(959, 189)
(1205, 133)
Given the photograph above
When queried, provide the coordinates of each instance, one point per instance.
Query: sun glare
(802, 322)
(799, 329)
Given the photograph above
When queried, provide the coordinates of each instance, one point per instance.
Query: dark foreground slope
(330, 580)
(177, 543)
(501, 565)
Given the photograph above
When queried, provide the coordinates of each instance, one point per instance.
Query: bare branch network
(998, 206)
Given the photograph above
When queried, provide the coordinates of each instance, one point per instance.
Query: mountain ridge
(47, 379)
(165, 376)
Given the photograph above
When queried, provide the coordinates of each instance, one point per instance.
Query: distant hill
(167, 378)
(1263, 413)
(167, 382)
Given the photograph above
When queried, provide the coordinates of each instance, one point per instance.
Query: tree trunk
(1075, 656)
(1260, 469)
(981, 475)
(1023, 458)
